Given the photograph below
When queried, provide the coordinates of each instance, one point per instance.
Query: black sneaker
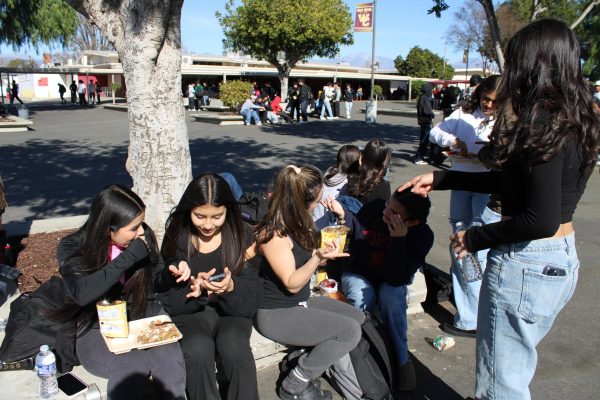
(454, 331)
(310, 393)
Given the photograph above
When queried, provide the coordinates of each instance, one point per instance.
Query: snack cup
(335, 233)
(325, 286)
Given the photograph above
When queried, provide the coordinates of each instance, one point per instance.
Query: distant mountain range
(360, 59)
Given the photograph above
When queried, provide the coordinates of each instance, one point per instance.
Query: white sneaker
(336, 117)
(330, 117)
(347, 117)
(321, 117)
(258, 123)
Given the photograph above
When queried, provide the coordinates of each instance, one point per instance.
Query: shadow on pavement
(429, 386)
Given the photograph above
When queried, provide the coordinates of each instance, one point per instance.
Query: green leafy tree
(234, 93)
(286, 32)
(590, 46)
(31, 22)
(423, 63)
(416, 88)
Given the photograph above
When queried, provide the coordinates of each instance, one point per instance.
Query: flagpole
(373, 52)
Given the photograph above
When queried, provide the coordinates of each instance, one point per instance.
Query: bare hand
(330, 251)
(334, 206)
(397, 226)
(461, 147)
(457, 241)
(421, 184)
(182, 271)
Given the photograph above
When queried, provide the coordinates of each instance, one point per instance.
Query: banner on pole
(363, 22)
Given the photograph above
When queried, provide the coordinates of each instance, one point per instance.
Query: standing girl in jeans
(114, 255)
(466, 130)
(328, 328)
(545, 143)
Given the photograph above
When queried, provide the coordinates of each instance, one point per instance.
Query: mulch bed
(36, 258)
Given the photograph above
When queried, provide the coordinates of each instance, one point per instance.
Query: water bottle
(470, 264)
(45, 367)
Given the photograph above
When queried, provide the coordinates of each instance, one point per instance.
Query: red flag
(363, 22)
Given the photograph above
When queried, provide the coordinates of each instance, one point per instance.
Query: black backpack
(372, 360)
(29, 327)
(253, 206)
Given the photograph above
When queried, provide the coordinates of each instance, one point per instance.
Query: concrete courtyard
(55, 170)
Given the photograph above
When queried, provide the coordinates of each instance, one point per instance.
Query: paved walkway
(56, 169)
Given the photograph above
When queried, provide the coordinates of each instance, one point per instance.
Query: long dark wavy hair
(207, 189)
(347, 156)
(288, 213)
(373, 165)
(112, 209)
(543, 99)
(486, 86)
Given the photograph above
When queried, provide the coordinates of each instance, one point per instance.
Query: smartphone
(553, 271)
(71, 385)
(216, 278)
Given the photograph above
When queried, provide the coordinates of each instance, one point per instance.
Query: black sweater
(538, 200)
(241, 302)
(380, 257)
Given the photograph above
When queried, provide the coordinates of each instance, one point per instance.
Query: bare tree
(470, 30)
(89, 37)
(585, 12)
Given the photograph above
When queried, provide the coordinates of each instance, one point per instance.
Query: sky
(400, 25)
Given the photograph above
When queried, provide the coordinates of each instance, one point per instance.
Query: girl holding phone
(205, 232)
(114, 255)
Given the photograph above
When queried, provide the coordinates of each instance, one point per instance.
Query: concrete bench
(219, 118)
(14, 124)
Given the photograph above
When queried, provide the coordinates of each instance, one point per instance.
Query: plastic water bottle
(470, 264)
(45, 367)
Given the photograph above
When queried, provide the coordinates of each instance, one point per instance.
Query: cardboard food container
(144, 333)
(337, 233)
(113, 318)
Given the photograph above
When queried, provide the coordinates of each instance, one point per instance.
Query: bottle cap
(44, 348)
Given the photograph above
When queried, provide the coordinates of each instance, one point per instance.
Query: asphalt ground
(55, 170)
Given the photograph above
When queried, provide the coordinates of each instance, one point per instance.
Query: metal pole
(467, 68)
(373, 51)
(1, 89)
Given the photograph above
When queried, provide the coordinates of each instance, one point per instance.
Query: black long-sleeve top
(243, 301)
(380, 257)
(87, 289)
(538, 200)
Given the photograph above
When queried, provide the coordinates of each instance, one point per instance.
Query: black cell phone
(553, 271)
(71, 385)
(216, 278)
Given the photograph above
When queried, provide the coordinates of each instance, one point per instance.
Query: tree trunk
(147, 37)
(490, 14)
(284, 74)
(585, 12)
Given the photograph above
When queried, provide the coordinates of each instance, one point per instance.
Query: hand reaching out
(421, 184)
(181, 271)
(200, 283)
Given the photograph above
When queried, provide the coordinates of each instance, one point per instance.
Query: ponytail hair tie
(296, 169)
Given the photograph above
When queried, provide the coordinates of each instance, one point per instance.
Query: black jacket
(424, 112)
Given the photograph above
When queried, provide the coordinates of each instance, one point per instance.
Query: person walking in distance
(544, 146)
(73, 89)
(81, 93)
(14, 93)
(61, 91)
(91, 92)
(348, 97)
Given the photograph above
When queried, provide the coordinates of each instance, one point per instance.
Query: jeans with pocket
(468, 208)
(524, 288)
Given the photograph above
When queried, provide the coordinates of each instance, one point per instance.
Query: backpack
(253, 206)
(371, 370)
(28, 328)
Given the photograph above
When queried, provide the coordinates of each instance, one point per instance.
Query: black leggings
(206, 333)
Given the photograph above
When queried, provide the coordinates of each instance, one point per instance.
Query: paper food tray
(123, 345)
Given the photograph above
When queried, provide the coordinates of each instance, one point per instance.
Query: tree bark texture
(147, 37)
(284, 74)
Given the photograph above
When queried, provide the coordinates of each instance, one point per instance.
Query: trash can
(371, 112)
(23, 113)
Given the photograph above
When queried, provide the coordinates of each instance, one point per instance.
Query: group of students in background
(533, 150)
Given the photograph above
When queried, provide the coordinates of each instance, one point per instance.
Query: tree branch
(585, 12)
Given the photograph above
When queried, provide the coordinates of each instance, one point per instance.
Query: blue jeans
(326, 106)
(468, 208)
(518, 304)
(391, 301)
(249, 113)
